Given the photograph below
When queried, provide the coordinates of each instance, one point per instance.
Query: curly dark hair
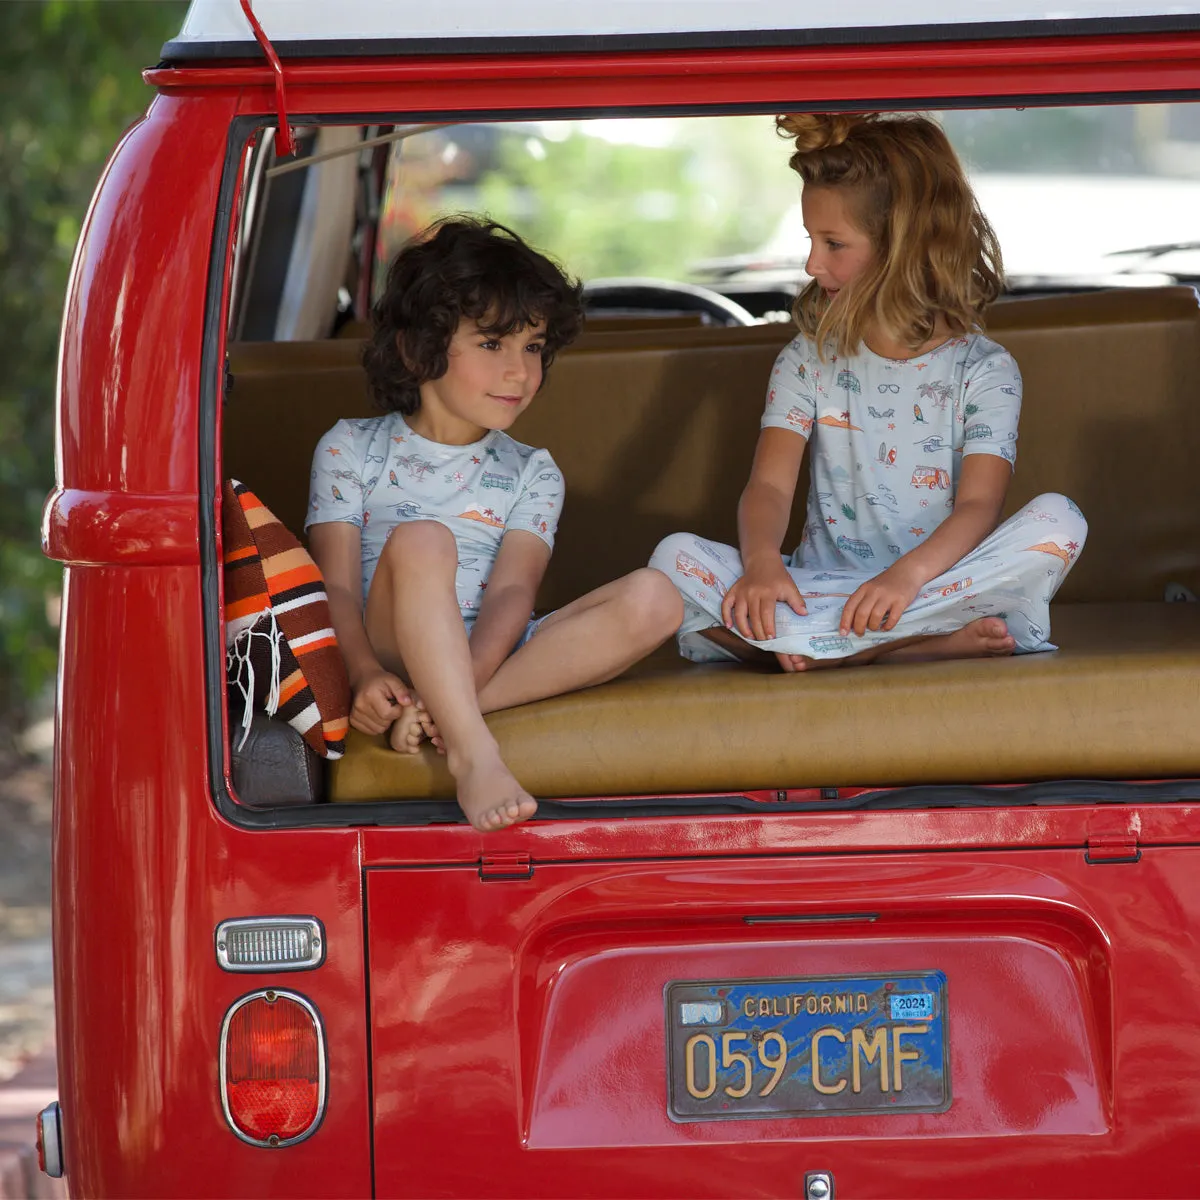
(461, 266)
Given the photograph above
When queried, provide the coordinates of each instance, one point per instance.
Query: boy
(444, 524)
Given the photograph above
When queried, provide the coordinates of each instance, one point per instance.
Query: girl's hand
(749, 606)
(378, 699)
(880, 602)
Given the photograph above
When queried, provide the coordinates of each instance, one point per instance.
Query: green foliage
(608, 208)
(72, 82)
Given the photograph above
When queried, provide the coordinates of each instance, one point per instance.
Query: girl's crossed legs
(414, 624)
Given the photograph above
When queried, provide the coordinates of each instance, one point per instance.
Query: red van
(927, 930)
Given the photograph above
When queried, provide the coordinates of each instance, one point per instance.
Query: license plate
(807, 1047)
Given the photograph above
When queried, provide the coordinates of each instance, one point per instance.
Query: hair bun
(818, 131)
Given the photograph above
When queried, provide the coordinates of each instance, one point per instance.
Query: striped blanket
(281, 652)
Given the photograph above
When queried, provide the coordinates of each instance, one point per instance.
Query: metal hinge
(1112, 849)
(497, 868)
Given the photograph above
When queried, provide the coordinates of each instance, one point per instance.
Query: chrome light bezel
(314, 928)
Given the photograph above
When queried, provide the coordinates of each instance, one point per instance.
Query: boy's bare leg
(412, 615)
(589, 641)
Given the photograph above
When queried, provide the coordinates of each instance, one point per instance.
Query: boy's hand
(749, 606)
(378, 699)
(880, 602)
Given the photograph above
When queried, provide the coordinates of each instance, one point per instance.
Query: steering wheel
(637, 296)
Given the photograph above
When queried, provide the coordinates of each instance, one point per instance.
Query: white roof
(298, 27)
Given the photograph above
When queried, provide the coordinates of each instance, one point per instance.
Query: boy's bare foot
(407, 731)
(490, 796)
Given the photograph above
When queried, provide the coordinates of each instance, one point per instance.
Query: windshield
(711, 200)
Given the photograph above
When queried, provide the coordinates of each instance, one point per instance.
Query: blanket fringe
(239, 669)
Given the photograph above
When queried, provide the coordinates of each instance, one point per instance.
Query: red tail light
(272, 1068)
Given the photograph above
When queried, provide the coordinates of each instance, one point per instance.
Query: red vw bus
(921, 931)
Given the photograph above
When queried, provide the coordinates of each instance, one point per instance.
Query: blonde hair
(935, 253)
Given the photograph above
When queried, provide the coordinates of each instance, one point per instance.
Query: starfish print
(916, 531)
(333, 450)
(891, 424)
(831, 520)
(476, 460)
(397, 438)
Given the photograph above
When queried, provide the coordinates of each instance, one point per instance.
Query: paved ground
(26, 996)
(26, 991)
(21, 1098)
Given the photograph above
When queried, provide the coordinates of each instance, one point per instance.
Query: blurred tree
(609, 208)
(70, 82)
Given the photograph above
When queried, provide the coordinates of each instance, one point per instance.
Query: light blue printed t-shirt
(887, 438)
(378, 473)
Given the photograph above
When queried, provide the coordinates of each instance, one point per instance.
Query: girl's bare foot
(801, 662)
(407, 732)
(489, 794)
(985, 637)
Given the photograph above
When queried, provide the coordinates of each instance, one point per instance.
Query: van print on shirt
(848, 380)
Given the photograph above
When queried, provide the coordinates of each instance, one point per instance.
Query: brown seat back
(654, 430)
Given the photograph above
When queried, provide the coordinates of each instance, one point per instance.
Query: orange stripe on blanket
(335, 731)
(233, 556)
(245, 608)
(291, 685)
(286, 580)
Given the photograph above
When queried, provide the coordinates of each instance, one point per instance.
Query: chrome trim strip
(316, 933)
(322, 1067)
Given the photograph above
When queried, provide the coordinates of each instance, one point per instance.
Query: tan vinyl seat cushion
(654, 429)
(1119, 696)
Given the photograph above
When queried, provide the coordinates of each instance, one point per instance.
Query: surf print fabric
(1013, 574)
(887, 438)
(886, 442)
(378, 473)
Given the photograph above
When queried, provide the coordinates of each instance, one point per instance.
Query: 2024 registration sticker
(807, 1046)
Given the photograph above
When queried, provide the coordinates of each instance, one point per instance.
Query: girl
(912, 412)
(433, 527)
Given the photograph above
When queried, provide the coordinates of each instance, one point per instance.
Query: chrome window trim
(316, 936)
(322, 1067)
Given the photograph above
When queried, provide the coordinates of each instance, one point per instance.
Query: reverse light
(273, 1072)
(270, 944)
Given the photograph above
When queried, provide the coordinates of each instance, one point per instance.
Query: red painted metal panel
(130, 363)
(531, 1014)
(144, 872)
(144, 868)
(810, 75)
(99, 528)
(791, 833)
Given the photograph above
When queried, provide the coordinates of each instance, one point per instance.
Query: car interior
(653, 416)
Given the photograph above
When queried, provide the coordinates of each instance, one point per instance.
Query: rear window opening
(687, 235)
